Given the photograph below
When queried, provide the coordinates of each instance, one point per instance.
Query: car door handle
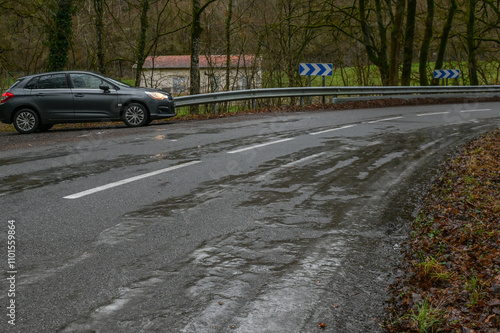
(40, 94)
(79, 95)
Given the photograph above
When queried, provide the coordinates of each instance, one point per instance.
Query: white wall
(165, 78)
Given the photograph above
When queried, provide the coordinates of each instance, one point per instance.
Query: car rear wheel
(26, 121)
(135, 115)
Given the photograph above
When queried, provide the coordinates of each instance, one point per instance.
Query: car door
(52, 96)
(90, 101)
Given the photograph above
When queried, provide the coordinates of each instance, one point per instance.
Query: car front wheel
(26, 121)
(135, 115)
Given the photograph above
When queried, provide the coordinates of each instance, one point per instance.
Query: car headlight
(157, 95)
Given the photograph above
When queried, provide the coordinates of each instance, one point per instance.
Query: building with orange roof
(171, 73)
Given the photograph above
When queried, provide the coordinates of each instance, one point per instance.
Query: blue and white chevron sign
(316, 69)
(446, 73)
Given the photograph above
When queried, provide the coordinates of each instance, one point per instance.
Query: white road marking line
(332, 129)
(380, 120)
(258, 146)
(479, 110)
(302, 160)
(291, 164)
(128, 180)
(431, 114)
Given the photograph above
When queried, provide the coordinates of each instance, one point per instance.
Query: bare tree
(426, 42)
(196, 31)
(471, 44)
(229, 16)
(141, 43)
(376, 53)
(408, 42)
(99, 23)
(396, 40)
(444, 38)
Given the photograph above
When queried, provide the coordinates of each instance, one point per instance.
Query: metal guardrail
(339, 94)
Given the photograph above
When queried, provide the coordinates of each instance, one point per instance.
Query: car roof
(58, 72)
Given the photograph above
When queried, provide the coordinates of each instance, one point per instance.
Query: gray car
(36, 102)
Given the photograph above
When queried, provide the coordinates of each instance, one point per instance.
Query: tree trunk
(196, 31)
(396, 39)
(141, 45)
(426, 42)
(471, 44)
(377, 56)
(60, 37)
(229, 15)
(408, 44)
(98, 6)
(444, 39)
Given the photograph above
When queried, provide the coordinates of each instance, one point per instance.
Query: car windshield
(118, 83)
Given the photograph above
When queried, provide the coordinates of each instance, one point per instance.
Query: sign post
(320, 69)
(316, 69)
(447, 74)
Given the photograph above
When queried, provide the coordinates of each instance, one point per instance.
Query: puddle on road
(61, 172)
(30, 157)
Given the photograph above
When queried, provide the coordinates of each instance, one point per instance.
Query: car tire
(26, 121)
(135, 115)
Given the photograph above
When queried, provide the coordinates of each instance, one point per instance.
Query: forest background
(369, 42)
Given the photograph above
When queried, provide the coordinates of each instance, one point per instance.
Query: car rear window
(52, 81)
(16, 83)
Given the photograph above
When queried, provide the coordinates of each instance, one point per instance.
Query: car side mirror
(104, 87)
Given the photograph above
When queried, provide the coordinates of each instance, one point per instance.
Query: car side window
(52, 81)
(86, 81)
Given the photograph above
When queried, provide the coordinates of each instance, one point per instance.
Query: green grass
(473, 285)
(425, 318)
(431, 269)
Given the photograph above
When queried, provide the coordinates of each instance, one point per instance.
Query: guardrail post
(253, 103)
(301, 101)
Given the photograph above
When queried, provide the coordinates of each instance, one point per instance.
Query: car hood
(151, 90)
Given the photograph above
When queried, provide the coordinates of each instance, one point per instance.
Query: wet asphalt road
(263, 223)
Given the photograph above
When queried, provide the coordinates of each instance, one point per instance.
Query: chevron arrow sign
(446, 73)
(316, 69)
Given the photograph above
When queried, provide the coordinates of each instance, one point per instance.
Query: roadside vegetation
(451, 270)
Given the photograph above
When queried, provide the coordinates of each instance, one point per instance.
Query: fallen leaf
(494, 302)
(489, 318)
